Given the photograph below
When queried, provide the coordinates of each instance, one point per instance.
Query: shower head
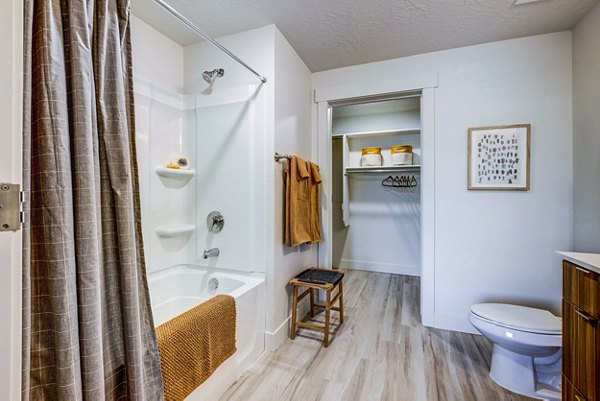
(210, 76)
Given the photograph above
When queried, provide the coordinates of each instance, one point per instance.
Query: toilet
(527, 353)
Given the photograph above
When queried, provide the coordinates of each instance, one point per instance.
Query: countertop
(590, 261)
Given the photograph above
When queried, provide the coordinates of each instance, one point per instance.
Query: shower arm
(207, 37)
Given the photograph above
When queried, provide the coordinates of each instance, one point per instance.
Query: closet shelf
(382, 169)
(176, 230)
(182, 175)
(379, 133)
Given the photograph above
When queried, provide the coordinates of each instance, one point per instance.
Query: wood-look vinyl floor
(381, 352)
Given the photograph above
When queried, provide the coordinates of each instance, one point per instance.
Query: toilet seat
(521, 318)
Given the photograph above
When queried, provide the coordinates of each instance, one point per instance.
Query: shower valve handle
(215, 222)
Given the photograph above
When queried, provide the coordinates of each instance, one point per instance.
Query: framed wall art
(499, 157)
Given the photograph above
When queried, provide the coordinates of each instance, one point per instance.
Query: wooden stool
(318, 279)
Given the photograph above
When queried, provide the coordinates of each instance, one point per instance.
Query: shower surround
(229, 127)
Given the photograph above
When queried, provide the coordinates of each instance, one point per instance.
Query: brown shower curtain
(88, 328)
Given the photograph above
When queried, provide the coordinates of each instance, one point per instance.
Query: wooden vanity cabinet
(581, 333)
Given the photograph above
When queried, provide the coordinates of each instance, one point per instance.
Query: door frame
(11, 105)
(325, 99)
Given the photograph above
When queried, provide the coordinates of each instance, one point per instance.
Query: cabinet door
(569, 392)
(581, 339)
(346, 189)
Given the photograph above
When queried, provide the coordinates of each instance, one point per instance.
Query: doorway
(336, 109)
(376, 203)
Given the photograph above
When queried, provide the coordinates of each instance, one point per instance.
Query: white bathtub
(179, 288)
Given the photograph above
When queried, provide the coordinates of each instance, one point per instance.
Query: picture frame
(499, 158)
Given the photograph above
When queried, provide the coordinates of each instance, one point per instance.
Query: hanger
(403, 181)
(389, 182)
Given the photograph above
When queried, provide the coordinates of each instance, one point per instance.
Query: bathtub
(176, 289)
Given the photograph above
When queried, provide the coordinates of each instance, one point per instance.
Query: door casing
(11, 146)
(325, 99)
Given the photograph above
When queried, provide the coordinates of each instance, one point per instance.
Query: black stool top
(320, 276)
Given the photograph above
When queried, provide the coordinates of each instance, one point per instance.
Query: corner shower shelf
(182, 175)
(382, 169)
(172, 178)
(176, 230)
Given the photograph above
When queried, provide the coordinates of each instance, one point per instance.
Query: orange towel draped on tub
(302, 207)
(194, 344)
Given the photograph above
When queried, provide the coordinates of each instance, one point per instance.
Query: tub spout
(213, 252)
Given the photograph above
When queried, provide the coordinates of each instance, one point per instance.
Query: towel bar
(279, 157)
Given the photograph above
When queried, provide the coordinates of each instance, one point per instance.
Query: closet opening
(376, 190)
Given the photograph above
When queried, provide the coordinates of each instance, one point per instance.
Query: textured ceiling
(337, 33)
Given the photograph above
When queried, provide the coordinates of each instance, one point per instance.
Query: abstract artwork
(499, 157)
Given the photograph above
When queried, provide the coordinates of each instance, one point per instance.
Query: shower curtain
(88, 331)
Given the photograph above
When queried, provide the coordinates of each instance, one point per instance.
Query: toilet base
(517, 373)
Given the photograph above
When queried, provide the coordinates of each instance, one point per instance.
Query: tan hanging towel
(315, 204)
(302, 214)
(194, 344)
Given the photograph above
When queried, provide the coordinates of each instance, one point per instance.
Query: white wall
(156, 58)
(586, 132)
(292, 135)
(492, 245)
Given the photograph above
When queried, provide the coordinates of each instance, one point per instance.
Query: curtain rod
(207, 37)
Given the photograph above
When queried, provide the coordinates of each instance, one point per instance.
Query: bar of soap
(179, 162)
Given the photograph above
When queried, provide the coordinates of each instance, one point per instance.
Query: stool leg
(294, 307)
(312, 303)
(327, 315)
(341, 301)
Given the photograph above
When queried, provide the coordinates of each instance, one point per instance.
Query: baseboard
(274, 339)
(454, 322)
(391, 268)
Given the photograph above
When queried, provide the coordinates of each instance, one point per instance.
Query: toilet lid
(519, 317)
